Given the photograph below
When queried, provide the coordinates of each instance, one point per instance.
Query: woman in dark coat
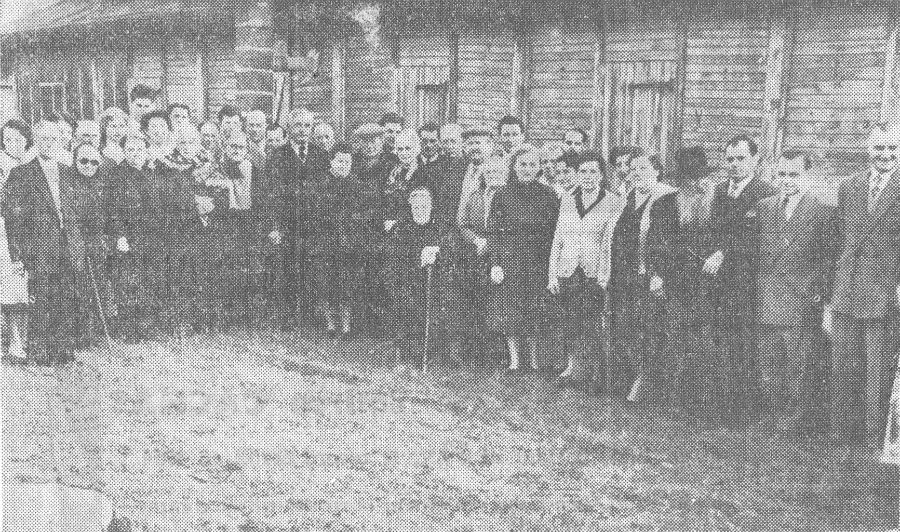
(94, 284)
(650, 215)
(136, 226)
(521, 224)
(344, 225)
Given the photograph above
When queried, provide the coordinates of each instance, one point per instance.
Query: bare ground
(298, 432)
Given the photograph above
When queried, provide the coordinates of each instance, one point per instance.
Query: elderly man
(275, 138)
(88, 132)
(256, 137)
(732, 257)
(575, 140)
(795, 254)
(403, 177)
(452, 141)
(289, 167)
(238, 178)
(370, 163)
(323, 136)
(44, 241)
(861, 312)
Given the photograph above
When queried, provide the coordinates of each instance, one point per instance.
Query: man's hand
(656, 286)
(18, 268)
(496, 274)
(553, 285)
(481, 246)
(122, 245)
(713, 263)
(429, 255)
(245, 167)
(275, 238)
(827, 320)
(389, 224)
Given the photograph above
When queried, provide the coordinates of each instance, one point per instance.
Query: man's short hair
(430, 127)
(145, 120)
(477, 131)
(134, 135)
(227, 111)
(738, 139)
(275, 127)
(510, 120)
(61, 116)
(790, 155)
(173, 106)
(141, 91)
(420, 190)
(571, 160)
(392, 118)
(297, 113)
(340, 147)
(619, 151)
(591, 156)
(583, 133)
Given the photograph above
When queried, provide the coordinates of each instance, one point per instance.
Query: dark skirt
(519, 305)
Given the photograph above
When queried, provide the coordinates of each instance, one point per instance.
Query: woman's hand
(553, 286)
(122, 245)
(496, 274)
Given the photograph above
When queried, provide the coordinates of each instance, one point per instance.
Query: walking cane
(428, 282)
(99, 303)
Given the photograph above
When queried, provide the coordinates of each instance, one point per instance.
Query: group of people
(741, 295)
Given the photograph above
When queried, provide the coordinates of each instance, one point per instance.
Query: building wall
(369, 78)
(562, 80)
(835, 83)
(485, 74)
(725, 75)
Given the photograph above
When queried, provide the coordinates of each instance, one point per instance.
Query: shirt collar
(739, 186)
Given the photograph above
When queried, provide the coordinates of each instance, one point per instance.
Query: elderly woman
(113, 127)
(93, 285)
(521, 223)
(15, 142)
(635, 285)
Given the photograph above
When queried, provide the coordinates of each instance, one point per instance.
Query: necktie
(784, 207)
(876, 191)
(732, 189)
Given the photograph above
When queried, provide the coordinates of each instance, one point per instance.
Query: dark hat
(692, 164)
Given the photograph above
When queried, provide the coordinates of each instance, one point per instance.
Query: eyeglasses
(92, 162)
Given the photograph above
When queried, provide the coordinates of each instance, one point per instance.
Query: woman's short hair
(517, 153)
(133, 135)
(21, 127)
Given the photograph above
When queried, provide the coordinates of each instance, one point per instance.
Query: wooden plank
(889, 94)
(781, 44)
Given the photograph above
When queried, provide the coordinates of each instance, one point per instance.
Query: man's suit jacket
(733, 225)
(867, 271)
(794, 256)
(445, 179)
(286, 174)
(46, 240)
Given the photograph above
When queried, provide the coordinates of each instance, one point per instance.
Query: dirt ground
(302, 433)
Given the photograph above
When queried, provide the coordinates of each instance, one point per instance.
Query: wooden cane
(99, 303)
(428, 281)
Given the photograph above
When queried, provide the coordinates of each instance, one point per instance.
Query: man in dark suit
(862, 307)
(795, 254)
(442, 173)
(39, 209)
(732, 260)
(290, 166)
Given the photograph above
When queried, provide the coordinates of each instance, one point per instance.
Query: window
(51, 98)
(432, 103)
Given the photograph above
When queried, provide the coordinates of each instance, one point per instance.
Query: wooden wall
(485, 74)
(725, 74)
(369, 78)
(835, 83)
(563, 85)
